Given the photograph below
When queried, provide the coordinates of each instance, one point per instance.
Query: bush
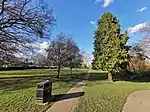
(138, 69)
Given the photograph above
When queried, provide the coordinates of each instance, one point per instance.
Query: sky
(78, 18)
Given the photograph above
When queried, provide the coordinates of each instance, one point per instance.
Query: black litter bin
(44, 91)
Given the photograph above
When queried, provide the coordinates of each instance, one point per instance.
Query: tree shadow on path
(61, 97)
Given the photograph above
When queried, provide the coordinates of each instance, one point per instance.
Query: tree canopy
(63, 51)
(110, 51)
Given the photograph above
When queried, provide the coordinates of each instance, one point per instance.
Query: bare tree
(62, 51)
(87, 59)
(145, 42)
(21, 23)
(146, 29)
(137, 58)
(74, 56)
(145, 45)
(39, 60)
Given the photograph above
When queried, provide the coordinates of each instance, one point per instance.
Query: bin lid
(44, 82)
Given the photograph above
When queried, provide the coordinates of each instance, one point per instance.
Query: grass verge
(101, 96)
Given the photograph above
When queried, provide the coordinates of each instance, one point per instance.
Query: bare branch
(21, 23)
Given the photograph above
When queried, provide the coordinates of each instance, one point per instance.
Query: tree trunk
(110, 77)
(58, 72)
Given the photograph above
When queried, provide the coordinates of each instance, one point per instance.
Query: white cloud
(142, 9)
(92, 22)
(106, 2)
(41, 46)
(137, 27)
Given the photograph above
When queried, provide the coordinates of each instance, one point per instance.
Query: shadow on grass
(132, 77)
(66, 96)
(128, 76)
(16, 83)
(98, 76)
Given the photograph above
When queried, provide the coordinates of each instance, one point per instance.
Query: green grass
(35, 72)
(18, 88)
(101, 96)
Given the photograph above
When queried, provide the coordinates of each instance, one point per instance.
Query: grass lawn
(18, 88)
(101, 96)
(35, 72)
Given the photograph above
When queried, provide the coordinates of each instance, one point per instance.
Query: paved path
(138, 101)
(68, 101)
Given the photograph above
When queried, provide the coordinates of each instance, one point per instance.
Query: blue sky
(78, 18)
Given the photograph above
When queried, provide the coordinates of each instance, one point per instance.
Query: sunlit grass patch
(102, 96)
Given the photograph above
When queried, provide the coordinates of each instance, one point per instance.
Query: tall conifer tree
(110, 51)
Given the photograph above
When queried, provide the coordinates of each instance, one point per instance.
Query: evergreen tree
(110, 51)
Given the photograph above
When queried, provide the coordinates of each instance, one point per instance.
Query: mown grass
(35, 72)
(18, 94)
(102, 96)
